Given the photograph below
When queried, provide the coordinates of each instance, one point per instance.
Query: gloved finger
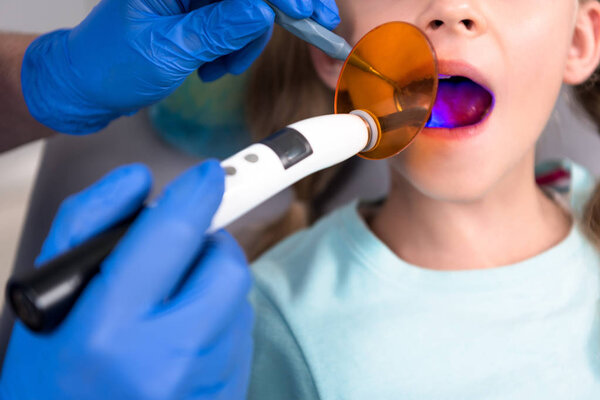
(81, 216)
(158, 249)
(237, 384)
(194, 4)
(212, 71)
(326, 13)
(234, 63)
(240, 61)
(162, 7)
(219, 29)
(214, 290)
(297, 9)
(232, 352)
(189, 5)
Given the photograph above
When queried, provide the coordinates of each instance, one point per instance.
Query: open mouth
(460, 102)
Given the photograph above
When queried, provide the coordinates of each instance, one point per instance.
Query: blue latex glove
(132, 335)
(131, 53)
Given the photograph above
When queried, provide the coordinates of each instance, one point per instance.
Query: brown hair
(588, 96)
(284, 88)
(284, 82)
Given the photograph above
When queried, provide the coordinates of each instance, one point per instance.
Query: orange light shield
(392, 74)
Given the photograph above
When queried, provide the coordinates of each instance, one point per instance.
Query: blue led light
(459, 104)
(439, 117)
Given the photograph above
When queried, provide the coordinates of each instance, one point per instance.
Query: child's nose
(456, 16)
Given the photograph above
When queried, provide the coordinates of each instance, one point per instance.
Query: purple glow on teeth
(459, 102)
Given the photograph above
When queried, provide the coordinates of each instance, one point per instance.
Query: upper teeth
(444, 76)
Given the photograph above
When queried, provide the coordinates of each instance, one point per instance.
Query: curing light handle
(312, 32)
(43, 297)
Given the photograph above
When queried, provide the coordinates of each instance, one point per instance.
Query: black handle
(43, 297)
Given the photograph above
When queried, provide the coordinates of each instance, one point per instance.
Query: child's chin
(465, 187)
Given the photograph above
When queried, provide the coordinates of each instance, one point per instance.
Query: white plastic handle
(257, 173)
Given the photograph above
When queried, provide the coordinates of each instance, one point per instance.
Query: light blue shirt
(340, 316)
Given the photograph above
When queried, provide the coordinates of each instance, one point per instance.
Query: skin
(17, 126)
(474, 203)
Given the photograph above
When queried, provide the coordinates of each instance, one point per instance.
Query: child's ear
(584, 54)
(327, 68)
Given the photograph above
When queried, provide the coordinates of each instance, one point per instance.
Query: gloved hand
(131, 53)
(148, 326)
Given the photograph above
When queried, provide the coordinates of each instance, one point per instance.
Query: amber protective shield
(392, 74)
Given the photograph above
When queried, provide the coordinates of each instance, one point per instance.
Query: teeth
(444, 76)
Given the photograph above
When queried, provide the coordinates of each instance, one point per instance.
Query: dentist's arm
(166, 318)
(17, 126)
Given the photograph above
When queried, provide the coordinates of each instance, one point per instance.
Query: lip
(462, 68)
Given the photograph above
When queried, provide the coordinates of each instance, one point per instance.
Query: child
(469, 281)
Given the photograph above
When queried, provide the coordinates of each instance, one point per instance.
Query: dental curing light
(373, 118)
(392, 72)
(43, 297)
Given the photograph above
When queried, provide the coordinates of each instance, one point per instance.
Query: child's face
(520, 50)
